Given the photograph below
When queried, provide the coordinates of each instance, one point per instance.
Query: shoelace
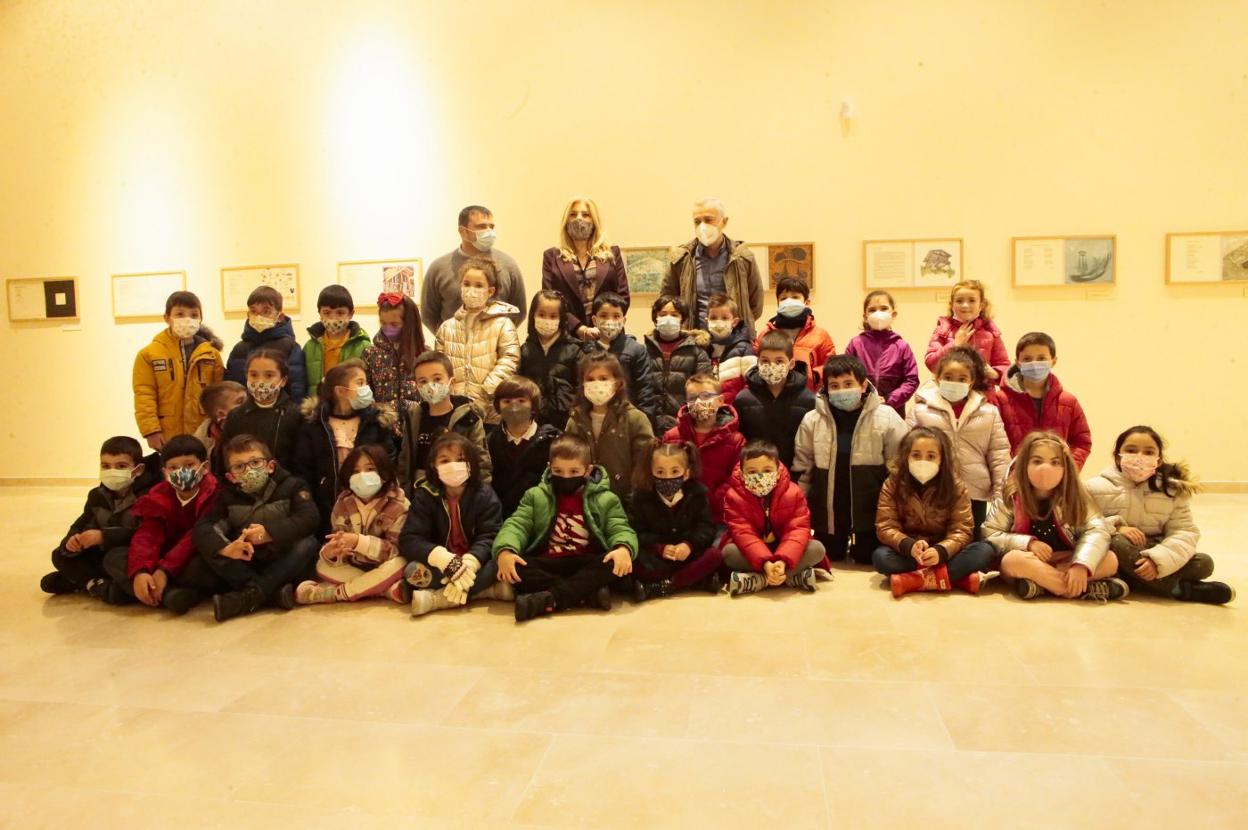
(1098, 591)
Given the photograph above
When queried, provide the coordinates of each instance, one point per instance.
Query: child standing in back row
(268, 328)
(887, 357)
(969, 323)
(336, 337)
(812, 346)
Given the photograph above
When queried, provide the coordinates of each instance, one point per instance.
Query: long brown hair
(943, 488)
(381, 460)
(412, 337)
(338, 376)
(594, 360)
(1069, 500)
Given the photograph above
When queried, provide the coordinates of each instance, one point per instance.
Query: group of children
(553, 471)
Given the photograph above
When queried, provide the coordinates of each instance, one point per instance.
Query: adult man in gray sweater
(439, 298)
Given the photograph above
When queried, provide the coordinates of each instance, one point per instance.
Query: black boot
(1210, 592)
(236, 603)
(601, 599)
(643, 591)
(283, 598)
(533, 605)
(106, 590)
(181, 600)
(712, 583)
(56, 583)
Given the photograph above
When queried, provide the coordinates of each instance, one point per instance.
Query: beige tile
(927, 656)
(1225, 713)
(1073, 721)
(1142, 660)
(614, 782)
(704, 652)
(1166, 793)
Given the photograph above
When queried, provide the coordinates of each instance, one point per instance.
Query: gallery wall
(152, 136)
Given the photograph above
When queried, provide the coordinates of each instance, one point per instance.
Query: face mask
(253, 481)
(391, 331)
(704, 410)
(1139, 468)
(923, 471)
(1045, 478)
(454, 473)
(484, 240)
(517, 414)
(473, 297)
(846, 400)
(580, 229)
(434, 393)
(708, 234)
(185, 478)
(667, 327)
(1037, 371)
(610, 328)
(116, 480)
(953, 391)
(598, 392)
(880, 320)
(184, 327)
(363, 397)
(791, 307)
(668, 487)
(719, 329)
(335, 326)
(263, 391)
(545, 326)
(259, 323)
(773, 374)
(365, 485)
(566, 485)
(761, 484)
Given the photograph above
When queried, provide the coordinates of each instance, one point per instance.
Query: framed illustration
(42, 298)
(785, 259)
(142, 296)
(911, 263)
(366, 278)
(646, 268)
(1063, 260)
(237, 283)
(1206, 257)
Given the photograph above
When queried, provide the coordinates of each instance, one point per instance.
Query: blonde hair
(599, 247)
(985, 307)
(1069, 500)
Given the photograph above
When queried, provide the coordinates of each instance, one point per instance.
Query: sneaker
(1104, 590)
(804, 580)
(601, 599)
(56, 583)
(105, 590)
(1210, 592)
(399, 592)
(643, 590)
(745, 583)
(425, 600)
(237, 603)
(1026, 589)
(533, 605)
(180, 600)
(311, 592)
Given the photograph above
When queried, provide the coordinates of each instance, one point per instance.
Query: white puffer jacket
(484, 350)
(981, 449)
(1090, 543)
(1166, 520)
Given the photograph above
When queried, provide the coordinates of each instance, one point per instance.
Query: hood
(204, 335)
(284, 328)
(694, 337)
(885, 337)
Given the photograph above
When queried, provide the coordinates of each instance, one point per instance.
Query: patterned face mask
(263, 390)
(704, 409)
(253, 480)
(335, 326)
(761, 484)
(185, 478)
(773, 373)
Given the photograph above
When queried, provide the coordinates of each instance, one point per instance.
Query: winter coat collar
(726, 423)
(870, 402)
(284, 328)
(317, 331)
(930, 394)
(691, 337)
(494, 308)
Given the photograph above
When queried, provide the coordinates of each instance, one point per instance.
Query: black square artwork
(69, 305)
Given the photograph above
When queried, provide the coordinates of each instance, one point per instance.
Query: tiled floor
(842, 709)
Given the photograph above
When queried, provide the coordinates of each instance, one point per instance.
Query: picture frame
(237, 282)
(646, 266)
(140, 297)
(1207, 258)
(924, 263)
(41, 299)
(367, 278)
(786, 259)
(1083, 260)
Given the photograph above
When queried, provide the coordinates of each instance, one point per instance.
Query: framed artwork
(366, 278)
(646, 268)
(237, 283)
(911, 263)
(42, 298)
(1206, 257)
(787, 259)
(141, 297)
(1064, 260)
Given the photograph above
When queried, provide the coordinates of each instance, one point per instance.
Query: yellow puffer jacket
(484, 350)
(166, 395)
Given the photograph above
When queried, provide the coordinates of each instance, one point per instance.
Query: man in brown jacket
(714, 264)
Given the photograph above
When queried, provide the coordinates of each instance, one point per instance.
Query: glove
(454, 594)
(468, 573)
(440, 557)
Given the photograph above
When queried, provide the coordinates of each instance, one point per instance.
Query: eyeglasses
(702, 396)
(243, 466)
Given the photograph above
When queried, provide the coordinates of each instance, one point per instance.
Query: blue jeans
(977, 556)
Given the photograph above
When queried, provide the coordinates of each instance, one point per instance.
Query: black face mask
(669, 487)
(566, 485)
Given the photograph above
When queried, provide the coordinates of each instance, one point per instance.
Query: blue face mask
(363, 398)
(846, 400)
(1036, 371)
(791, 307)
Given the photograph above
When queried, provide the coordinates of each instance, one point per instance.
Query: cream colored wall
(153, 135)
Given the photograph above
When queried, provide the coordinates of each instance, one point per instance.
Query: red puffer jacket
(163, 539)
(719, 452)
(787, 513)
(986, 339)
(1061, 415)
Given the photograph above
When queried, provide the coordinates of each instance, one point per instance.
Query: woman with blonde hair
(583, 265)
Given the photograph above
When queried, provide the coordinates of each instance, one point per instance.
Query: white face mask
(116, 480)
(454, 473)
(184, 327)
(719, 328)
(365, 485)
(923, 471)
(953, 391)
(259, 323)
(545, 326)
(598, 392)
(473, 297)
(773, 373)
(708, 234)
(667, 326)
(880, 320)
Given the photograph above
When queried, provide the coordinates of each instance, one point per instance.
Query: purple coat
(890, 365)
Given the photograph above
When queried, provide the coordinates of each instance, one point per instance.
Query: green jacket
(314, 351)
(526, 530)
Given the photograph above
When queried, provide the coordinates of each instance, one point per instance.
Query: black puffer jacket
(285, 508)
(277, 426)
(775, 419)
(516, 469)
(429, 521)
(109, 512)
(688, 522)
(555, 373)
(671, 371)
(316, 453)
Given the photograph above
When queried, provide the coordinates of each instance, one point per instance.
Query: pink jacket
(986, 339)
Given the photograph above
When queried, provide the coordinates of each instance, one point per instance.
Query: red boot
(924, 579)
(970, 584)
